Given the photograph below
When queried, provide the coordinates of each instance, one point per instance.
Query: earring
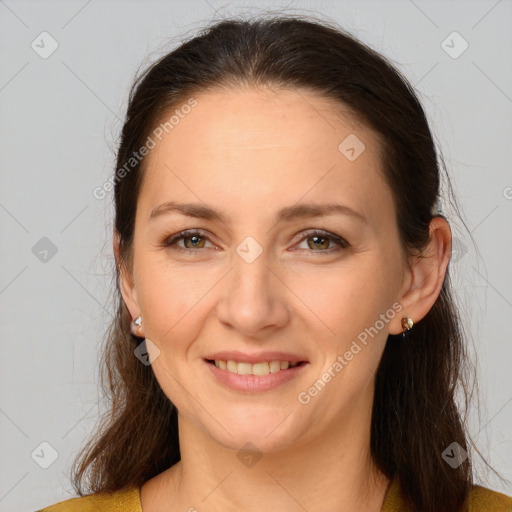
(138, 324)
(407, 324)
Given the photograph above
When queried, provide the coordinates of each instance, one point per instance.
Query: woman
(286, 337)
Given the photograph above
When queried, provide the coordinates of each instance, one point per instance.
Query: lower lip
(255, 383)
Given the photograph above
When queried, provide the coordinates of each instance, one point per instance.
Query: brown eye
(193, 241)
(319, 241)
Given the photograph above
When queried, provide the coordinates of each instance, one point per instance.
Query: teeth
(275, 366)
(263, 368)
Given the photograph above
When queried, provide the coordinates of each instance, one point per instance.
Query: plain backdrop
(65, 71)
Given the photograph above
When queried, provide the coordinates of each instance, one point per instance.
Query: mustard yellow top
(481, 499)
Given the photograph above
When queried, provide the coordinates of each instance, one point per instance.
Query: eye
(195, 244)
(320, 241)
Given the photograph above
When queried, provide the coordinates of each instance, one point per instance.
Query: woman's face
(260, 279)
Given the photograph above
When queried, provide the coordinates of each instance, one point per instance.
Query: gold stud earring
(407, 324)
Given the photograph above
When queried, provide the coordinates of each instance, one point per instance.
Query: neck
(333, 472)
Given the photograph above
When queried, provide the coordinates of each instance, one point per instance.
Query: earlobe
(426, 275)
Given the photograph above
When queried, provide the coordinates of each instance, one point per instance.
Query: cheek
(169, 292)
(353, 309)
(346, 299)
(174, 313)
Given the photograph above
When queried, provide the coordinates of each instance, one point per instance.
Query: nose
(254, 299)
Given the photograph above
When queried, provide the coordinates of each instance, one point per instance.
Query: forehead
(259, 148)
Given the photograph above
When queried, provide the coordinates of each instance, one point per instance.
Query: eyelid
(340, 241)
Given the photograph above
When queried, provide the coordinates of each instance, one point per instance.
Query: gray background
(60, 118)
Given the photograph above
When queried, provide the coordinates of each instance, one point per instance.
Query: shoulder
(125, 500)
(482, 499)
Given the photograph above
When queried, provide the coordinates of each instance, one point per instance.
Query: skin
(248, 153)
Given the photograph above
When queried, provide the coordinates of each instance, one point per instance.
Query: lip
(240, 357)
(255, 383)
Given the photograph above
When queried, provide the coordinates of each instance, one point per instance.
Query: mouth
(260, 368)
(256, 376)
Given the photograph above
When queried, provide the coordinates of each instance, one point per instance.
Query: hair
(415, 416)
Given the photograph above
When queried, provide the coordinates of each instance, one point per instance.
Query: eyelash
(171, 242)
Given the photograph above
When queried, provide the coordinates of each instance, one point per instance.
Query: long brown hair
(415, 416)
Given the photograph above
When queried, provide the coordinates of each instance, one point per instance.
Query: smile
(261, 368)
(254, 377)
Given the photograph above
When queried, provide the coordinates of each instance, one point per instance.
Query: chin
(264, 434)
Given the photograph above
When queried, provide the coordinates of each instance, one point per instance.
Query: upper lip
(233, 355)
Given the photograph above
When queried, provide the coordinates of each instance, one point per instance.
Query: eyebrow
(288, 213)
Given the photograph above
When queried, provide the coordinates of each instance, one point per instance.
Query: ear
(126, 281)
(425, 280)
